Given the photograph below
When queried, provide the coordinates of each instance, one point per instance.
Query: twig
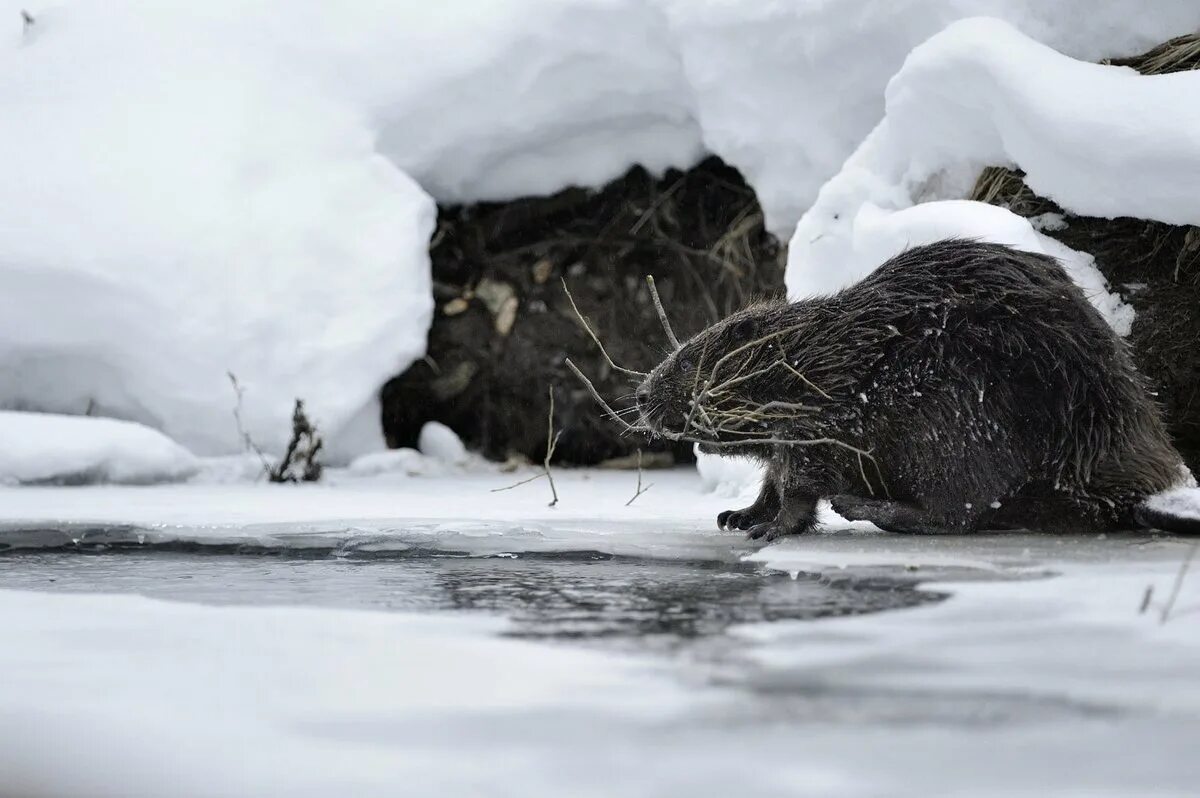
(1175, 588)
(654, 206)
(551, 443)
(640, 489)
(596, 338)
(600, 400)
(247, 441)
(662, 314)
(519, 484)
(804, 379)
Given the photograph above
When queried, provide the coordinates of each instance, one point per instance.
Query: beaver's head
(715, 367)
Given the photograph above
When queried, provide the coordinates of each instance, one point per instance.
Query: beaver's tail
(1176, 510)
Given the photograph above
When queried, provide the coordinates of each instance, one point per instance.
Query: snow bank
(786, 91)
(202, 188)
(1098, 140)
(176, 208)
(72, 450)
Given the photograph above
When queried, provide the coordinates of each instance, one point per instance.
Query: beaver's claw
(778, 528)
(743, 518)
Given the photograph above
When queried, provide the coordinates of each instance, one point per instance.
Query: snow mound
(786, 91)
(728, 476)
(40, 448)
(408, 462)
(441, 443)
(164, 227)
(982, 93)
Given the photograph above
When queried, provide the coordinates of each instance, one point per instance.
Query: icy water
(578, 595)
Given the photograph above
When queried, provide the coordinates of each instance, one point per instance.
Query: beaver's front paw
(744, 518)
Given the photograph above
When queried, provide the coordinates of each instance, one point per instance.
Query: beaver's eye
(685, 363)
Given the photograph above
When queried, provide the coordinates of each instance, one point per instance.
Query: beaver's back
(1000, 347)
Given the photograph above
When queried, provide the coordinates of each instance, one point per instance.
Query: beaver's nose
(643, 396)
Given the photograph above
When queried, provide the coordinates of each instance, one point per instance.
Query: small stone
(507, 316)
(455, 306)
(542, 271)
(494, 293)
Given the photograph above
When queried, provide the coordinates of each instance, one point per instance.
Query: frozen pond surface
(588, 596)
(430, 638)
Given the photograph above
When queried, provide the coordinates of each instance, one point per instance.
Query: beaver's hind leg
(893, 516)
(765, 508)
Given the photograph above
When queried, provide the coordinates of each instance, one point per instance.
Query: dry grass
(1181, 54)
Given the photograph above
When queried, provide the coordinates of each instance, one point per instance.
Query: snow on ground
(1034, 675)
(982, 93)
(45, 448)
(1183, 502)
(245, 187)
(469, 510)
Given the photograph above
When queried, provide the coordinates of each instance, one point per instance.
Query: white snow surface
(786, 91)
(1032, 680)
(1099, 140)
(1183, 502)
(47, 448)
(196, 189)
(184, 206)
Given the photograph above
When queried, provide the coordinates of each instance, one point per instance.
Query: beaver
(962, 385)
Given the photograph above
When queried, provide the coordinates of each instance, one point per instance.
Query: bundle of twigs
(718, 417)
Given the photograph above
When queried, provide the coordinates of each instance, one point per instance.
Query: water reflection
(577, 596)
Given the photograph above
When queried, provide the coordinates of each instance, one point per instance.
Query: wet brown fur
(985, 389)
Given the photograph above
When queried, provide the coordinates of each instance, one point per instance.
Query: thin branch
(1175, 588)
(640, 489)
(804, 379)
(603, 404)
(519, 484)
(247, 441)
(551, 443)
(662, 314)
(596, 338)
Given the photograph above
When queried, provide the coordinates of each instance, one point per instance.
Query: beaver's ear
(746, 329)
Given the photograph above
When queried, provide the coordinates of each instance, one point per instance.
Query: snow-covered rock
(1099, 140)
(404, 461)
(438, 441)
(41, 448)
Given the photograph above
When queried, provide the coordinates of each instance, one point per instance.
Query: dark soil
(504, 326)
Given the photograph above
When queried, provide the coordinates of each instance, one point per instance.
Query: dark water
(580, 595)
